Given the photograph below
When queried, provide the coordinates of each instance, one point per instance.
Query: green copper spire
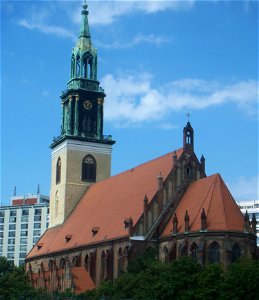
(84, 26)
(82, 101)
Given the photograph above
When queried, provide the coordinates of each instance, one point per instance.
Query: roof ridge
(223, 204)
(202, 204)
(213, 184)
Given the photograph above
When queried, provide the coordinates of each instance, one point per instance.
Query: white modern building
(252, 207)
(21, 225)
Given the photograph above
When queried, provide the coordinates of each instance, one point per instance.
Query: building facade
(99, 223)
(252, 208)
(21, 225)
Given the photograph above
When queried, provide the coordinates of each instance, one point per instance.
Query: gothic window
(120, 262)
(78, 66)
(214, 253)
(62, 263)
(73, 66)
(166, 254)
(89, 168)
(188, 138)
(58, 171)
(236, 253)
(194, 251)
(87, 66)
(87, 262)
(103, 266)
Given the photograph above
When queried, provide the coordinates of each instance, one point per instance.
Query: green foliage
(184, 279)
(242, 281)
(14, 283)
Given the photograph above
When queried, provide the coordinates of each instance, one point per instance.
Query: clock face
(88, 104)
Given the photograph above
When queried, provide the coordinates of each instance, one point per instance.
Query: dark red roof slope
(105, 205)
(212, 195)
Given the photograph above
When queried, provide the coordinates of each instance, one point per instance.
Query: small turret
(188, 137)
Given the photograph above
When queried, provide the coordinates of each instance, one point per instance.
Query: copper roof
(105, 205)
(212, 195)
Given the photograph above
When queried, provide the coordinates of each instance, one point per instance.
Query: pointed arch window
(120, 262)
(188, 137)
(194, 251)
(214, 253)
(73, 66)
(236, 253)
(89, 168)
(78, 66)
(58, 171)
(87, 66)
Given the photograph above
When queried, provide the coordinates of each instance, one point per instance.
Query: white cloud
(133, 99)
(245, 188)
(48, 29)
(138, 39)
(109, 11)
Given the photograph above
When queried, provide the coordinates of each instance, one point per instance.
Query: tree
(241, 281)
(14, 283)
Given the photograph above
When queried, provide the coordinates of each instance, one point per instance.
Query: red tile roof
(105, 205)
(221, 210)
(82, 280)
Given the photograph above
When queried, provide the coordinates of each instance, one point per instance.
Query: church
(99, 222)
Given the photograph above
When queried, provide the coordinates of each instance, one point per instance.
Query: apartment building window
(12, 219)
(12, 226)
(24, 226)
(10, 255)
(1, 249)
(23, 248)
(1, 220)
(21, 262)
(23, 240)
(35, 240)
(11, 233)
(24, 219)
(1, 214)
(1, 241)
(10, 248)
(11, 241)
(22, 254)
(37, 212)
(24, 233)
(1, 234)
(13, 213)
(36, 232)
(47, 224)
(25, 212)
(37, 225)
(37, 218)
(1, 227)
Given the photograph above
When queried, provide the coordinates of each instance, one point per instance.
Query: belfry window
(73, 66)
(214, 253)
(78, 66)
(87, 66)
(188, 138)
(58, 171)
(89, 168)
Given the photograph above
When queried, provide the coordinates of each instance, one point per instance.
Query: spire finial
(85, 27)
(188, 116)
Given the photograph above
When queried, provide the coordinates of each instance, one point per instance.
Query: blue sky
(157, 61)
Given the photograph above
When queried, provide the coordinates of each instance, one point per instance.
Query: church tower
(81, 155)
